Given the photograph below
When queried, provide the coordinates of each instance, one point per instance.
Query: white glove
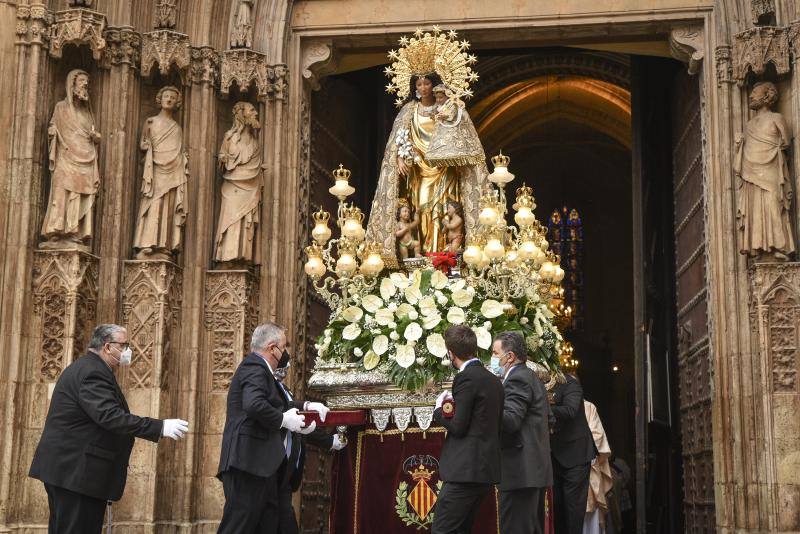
(174, 428)
(309, 429)
(293, 421)
(318, 407)
(442, 397)
(338, 444)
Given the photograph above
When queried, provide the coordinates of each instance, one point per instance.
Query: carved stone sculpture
(162, 208)
(240, 160)
(242, 31)
(764, 185)
(74, 173)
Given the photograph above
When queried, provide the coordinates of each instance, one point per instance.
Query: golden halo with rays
(426, 52)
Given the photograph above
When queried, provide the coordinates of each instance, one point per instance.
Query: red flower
(443, 261)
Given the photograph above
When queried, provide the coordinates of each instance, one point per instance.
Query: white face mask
(125, 358)
(494, 365)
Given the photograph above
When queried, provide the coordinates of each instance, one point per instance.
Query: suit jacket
(471, 451)
(321, 437)
(525, 438)
(89, 432)
(252, 440)
(571, 441)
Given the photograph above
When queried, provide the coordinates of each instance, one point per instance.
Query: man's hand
(293, 421)
(318, 407)
(338, 444)
(442, 397)
(309, 429)
(174, 428)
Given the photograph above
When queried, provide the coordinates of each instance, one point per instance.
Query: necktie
(288, 441)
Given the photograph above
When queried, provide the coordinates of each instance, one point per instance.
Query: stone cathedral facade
(191, 295)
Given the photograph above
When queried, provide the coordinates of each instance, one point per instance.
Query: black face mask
(284, 361)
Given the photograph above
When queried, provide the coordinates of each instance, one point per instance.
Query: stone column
(23, 71)
(775, 325)
(199, 494)
(118, 117)
(231, 314)
(151, 297)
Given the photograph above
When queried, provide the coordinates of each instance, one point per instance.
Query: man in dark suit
(83, 454)
(258, 442)
(470, 462)
(525, 440)
(572, 449)
(296, 462)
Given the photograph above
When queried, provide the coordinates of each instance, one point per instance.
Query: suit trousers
(287, 521)
(73, 513)
(252, 503)
(570, 492)
(457, 506)
(521, 511)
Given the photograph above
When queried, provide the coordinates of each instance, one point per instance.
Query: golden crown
(403, 203)
(420, 473)
(353, 212)
(341, 173)
(321, 216)
(501, 160)
(429, 52)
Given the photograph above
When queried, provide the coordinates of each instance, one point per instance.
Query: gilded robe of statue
(240, 159)
(74, 172)
(458, 173)
(162, 211)
(764, 185)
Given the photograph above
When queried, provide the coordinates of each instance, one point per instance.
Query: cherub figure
(407, 222)
(454, 226)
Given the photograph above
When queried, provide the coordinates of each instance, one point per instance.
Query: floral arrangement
(405, 148)
(401, 324)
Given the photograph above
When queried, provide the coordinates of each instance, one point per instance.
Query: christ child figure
(447, 109)
(454, 226)
(407, 223)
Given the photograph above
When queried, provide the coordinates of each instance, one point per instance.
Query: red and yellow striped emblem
(422, 497)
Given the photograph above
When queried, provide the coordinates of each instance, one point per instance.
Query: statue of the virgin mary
(428, 162)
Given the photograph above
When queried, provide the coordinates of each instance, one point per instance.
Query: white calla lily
(388, 289)
(484, 337)
(384, 316)
(351, 331)
(372, 303)
(412, 332)
(431, 321)
(353, 314)
(491, 309)
(462, 298)
(427, 306)
(436, 346)
(458, 284)
(456, 315)
(371, 360)
(438, 279)
(412, 295)
(380, 345)
(405, 356)
(403, 310)
(400, 280)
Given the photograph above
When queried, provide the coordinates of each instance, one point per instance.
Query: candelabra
(509, 261)
(355, 264)
(568, 363)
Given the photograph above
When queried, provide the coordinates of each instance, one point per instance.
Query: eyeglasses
(125, 345)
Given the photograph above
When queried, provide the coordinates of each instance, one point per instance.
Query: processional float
(381, 360)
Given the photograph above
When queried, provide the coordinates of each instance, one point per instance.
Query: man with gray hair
(262, 436)
(524, 441)
(83, 453)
